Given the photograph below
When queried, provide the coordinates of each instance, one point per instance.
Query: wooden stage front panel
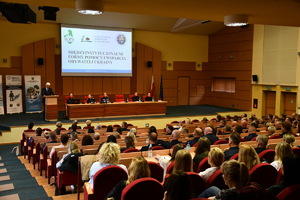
(77, 111)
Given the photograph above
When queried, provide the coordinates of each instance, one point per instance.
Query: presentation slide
(96, 51)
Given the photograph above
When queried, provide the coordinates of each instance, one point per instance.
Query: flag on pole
(161, 93)
(152, 86)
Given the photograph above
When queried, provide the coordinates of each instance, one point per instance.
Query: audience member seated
(278, 125)
(91, 130)
(148, 98)
(87, 140)
(90, 99)
(291, 175)
(76, 123)
(105, 98)
(234, 141)
(236, 177)
(71, 98)
(46, 134)
(282, 117)
(183, 161)
(227, 130)
(139, 168)
(30, 127)
(204, 120)
(124, 126)
(129, 141)
(197, 134)
(119, 130)
(38, 132)
(178, 186)
(52, 139)
(286, 128)
(282, 150)
(57, 131)
(252, 133)
(96, 136)
(88, 124)
(238, 129)
(169, 129)
(208, 132)
(174, 139)
(135, 97)
(131, 134)
(201, 150)
(222, 124)
(98, 127)
(74, 136)
(184, 130)
(69, 162)
(111, 138)
(248, 155)
(244, 124)
(228, 118)
(64, 138)
(261, 143)
(117, 134)
(152, 129)
(271, 130)
(289, 138)
(153, 141)
(59, 125)
(164, 161)
(109, 128)
(109, 154)
(215, 160)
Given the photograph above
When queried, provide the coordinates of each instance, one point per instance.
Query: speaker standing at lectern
(46, 91)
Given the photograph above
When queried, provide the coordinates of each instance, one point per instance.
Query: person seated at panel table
(90, 99)
(148, 98)
(105, 98)
(70, 100)
(135, 97)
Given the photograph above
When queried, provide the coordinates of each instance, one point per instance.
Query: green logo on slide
(69, 37)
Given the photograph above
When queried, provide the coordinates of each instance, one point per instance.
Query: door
(183, 90)
(270, 102)
(289, 99)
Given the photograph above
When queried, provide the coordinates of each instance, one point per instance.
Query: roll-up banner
(1, 97)
(14, 94)
(33, 97)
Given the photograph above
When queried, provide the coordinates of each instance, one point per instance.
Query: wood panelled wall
(170, 83)
(230, 55)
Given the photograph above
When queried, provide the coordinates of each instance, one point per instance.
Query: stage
(22, 119)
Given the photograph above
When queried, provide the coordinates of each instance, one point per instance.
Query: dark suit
(148, 99)
(212, 138)
(193, 141)
(168, 145)
(230, 152)
(135, 98)
(250, 136)
(260, 149)
(70, 163)
(47, 92)
(105, 100)
(158, 143)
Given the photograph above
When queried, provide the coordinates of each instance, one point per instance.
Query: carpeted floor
(22, 119)
(15, 180)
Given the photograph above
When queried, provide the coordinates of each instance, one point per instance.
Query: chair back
(66, 98)
(220, 142)
(296, 151)
(268, 155)
(170, 168)
(198, 183)
(131, 150)
(280, 176)
(143, 188)
(157, 172)
(119, 97)
(203, 165)
(106, 179)
(85, 99)
(217, 180)
(130, 97)
(253, 139)
(289, 193)
(263, 174)
(275, 137)
(157, 148)
(116, 125)
(46, 129)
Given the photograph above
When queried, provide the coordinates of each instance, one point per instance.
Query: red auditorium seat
(203, 165)
(263, 174)
(157, 172)
(143, 188)
(289, 193)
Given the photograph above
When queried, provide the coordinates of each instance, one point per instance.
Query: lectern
(51, 108)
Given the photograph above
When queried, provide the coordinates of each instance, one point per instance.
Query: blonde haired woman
(282, 150)
(248, 155)
(139, 168)
(69, 161)
(216, 158)
(183, 161)
(289, 138)
(109, 154)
